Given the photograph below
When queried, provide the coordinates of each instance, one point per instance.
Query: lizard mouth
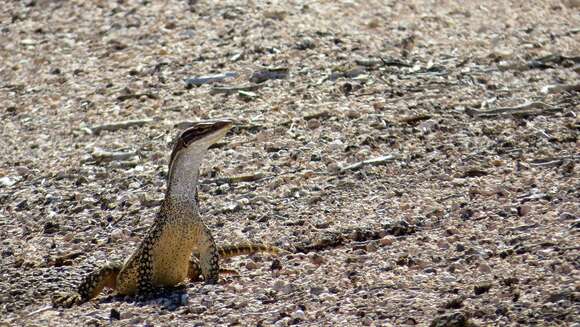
(206, 132)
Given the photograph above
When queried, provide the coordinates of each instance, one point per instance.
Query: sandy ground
(419, 159)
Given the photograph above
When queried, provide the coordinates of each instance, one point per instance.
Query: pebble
(567, 216)
(305, 44)
(117, 235)
(313, 123)
(327, 297)
(333, 168)
(23, 171)
(8, 181)
(448, 278)
(279, 285)
(126, 315)
(386, 241)
(352, 114)
(316, 259)
(336, 145)
(524, 210)
(283, 322)
(564, 268)
(371, 247)
(299, 314)
(224, 188)
(251, 265)
(198, 309)
(484, 268)
(115, 314)
(442, 244)
(315, 290)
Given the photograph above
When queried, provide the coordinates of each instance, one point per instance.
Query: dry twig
(371, 162)
(235, 179)
(100, 155)
(560, 87)
(532, 108)
(119, 125)
(234, 89)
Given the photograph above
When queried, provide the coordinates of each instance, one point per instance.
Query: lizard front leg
(145, 287)
(91, 286)
(208, 254)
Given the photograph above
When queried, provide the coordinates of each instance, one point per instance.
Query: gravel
(418, 160)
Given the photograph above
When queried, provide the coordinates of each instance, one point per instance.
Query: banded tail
(236, 250)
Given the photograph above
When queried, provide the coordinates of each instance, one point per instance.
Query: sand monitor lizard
(178, 246)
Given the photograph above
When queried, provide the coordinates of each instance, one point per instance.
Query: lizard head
(202, 134)
(188, 151)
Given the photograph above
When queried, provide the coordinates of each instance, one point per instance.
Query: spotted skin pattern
(178, 246)
(108, 275)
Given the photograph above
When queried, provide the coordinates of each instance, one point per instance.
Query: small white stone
(299, 314)
(327, 297)
(448, 278)
(279, 285)
(336, 145)
(117, 235)
(8, 181)
(283, 322)
(224, 187)
(484, 268)
(333, 168)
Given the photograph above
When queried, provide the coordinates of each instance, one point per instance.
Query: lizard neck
(183, 175)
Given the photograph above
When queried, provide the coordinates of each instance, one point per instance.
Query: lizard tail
(234, 250)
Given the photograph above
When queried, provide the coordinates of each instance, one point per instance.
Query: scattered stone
(305, 44)
(524, 210)
(251, 265)
(387, 241)
(482, 288)
(8, 181)
(455, 303)
(51, 227)
(484, 268)
(115, 314)
(200, 80)
(268, 74)
(276, 264)
(316, 259)
(99, 155)
(333, 168)
(454, 319)
(115, 126)
(247, 95)
(117, 235)
(299, 314)
(313, 123)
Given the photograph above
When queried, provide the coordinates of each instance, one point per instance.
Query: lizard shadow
(166, 298)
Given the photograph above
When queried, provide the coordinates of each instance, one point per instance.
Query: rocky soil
(418, 159)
